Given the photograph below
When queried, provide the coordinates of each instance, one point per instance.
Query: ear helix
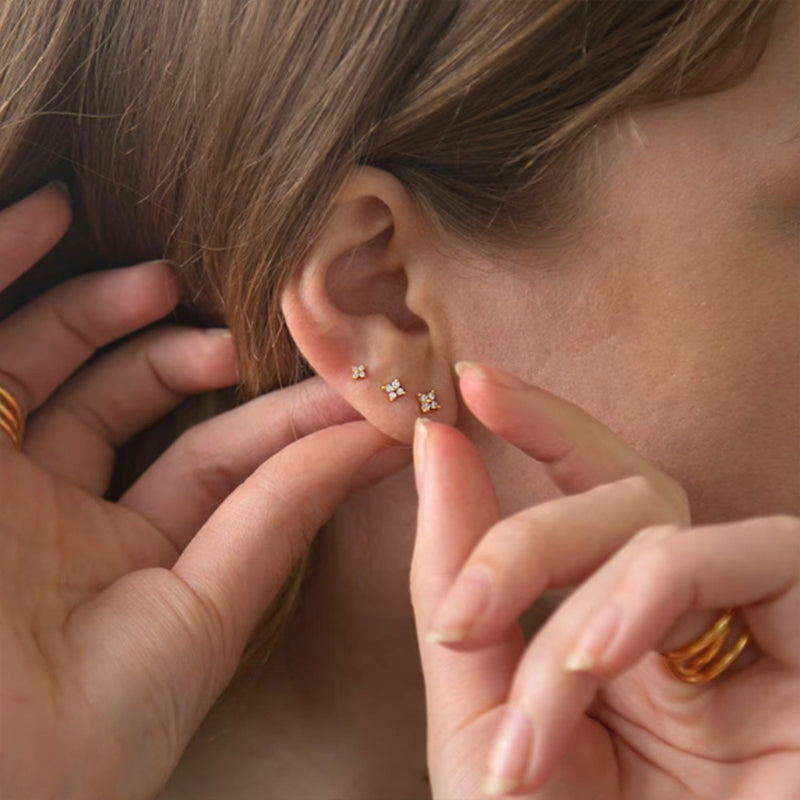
(428, 403)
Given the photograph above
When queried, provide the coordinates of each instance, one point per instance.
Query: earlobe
(347, 307)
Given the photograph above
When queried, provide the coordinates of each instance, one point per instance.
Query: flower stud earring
(428, 402)
(359, 372)
(393, 390)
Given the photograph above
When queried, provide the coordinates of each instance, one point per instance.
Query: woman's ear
(357, 307)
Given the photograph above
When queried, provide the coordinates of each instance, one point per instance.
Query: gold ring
(710, 654)
(12, 418)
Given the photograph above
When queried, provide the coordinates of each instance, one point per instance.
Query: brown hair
(215, 134)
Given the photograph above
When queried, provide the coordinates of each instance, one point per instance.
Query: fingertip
(488, 390)
(579, 662)
(165, 279)
(33, 225)
(192, 360)
(143, 292)
(436, 444)
(464, 368)
(58, 199)
(63, 188)
(489, 374)
(218, 356)
(471, 378)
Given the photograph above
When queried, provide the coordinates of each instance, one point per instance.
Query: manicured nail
(224, 333)
(595, 640)
(63, 188)
(579, 662)
(462, 606)
(510, 754)
(442, 637)
(489, 373)
(420, 449)
(165, 261)
(497, 787)
(463, 367)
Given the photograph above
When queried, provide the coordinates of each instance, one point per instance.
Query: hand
(588, 709)
(121, 623)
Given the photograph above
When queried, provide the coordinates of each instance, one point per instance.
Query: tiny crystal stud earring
(359, 372)
(393, 390)
(428, 402)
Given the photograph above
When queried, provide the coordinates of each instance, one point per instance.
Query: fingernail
(497, 787)
(221, 332)
(489, 373)
(510, 754)
(595, 640)
(63, 188)
(463, 367)
(462, 606)
(442, 637)
(579, 662)
(420, 449)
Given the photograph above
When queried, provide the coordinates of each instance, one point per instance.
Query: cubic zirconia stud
(393, 390)
(428, 402)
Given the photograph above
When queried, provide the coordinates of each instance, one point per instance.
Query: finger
(187, 483)
(43, 343)
(241, 557)
(631, 605)
(457, 503)
(754, 562)
(552, 545)
(466, 690)
(76, 431)
(30, 228)
(577, 451)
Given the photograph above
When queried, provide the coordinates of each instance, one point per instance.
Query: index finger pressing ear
(577, 451)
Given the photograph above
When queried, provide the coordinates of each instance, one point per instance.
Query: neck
(355, 607)
(347, 671)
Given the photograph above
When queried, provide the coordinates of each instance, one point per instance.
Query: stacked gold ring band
(12, 418)
(711, 653)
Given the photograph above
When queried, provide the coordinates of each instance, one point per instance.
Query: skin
(655, 319)
(76, 683)
(671, 315)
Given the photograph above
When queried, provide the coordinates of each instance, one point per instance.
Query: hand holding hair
(590, 708)
(121, 623)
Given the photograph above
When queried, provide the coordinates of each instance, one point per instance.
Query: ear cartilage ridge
(428, 402)
(359, 372)
(393, 390)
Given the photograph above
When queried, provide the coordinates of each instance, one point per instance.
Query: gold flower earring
(428, 402)
(393, 390)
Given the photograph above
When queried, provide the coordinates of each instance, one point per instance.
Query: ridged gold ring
(12, 418)
(711, 653)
